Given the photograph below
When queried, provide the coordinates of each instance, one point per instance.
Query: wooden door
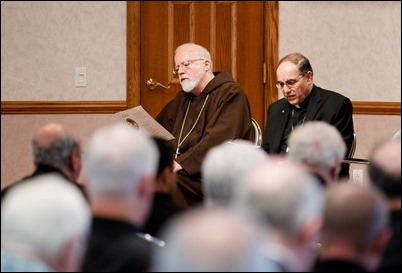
(233, 31)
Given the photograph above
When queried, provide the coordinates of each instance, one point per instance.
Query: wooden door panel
(233, 31)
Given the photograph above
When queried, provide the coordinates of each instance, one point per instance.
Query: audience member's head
(44, 223)
(319, 146)
(121, 166)
(355, 225)
(285, 197)
(54, 145)
(385, 169)
(208, 239)
(385, 175)
(225, 166)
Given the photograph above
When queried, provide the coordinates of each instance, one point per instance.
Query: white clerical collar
(297, 106)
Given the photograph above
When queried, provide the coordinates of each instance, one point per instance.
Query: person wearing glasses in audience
(210, 109)
(304, 101)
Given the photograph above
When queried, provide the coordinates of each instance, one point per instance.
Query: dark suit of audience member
(115, 247)
(55, 150)
(163, 208)
(304, 101)
(385, 174)
(121, 164)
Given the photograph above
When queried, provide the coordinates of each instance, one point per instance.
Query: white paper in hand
(139, 118)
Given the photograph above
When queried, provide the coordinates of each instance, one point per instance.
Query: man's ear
(334, 172)
(309, 76)
(308, 234)
(146, 187)
(70, 257)
(77, 159)
(207, 65)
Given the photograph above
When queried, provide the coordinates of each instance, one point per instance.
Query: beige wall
(354, 47)
(16, 135)
(42, 43)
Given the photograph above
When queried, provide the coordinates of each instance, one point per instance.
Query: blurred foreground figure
(289, 202)
(319, 146)
(121, 165)
(44, 226)
(208, 240)
(385, 175)
(224, 168)
(163, 207)
(354, 231)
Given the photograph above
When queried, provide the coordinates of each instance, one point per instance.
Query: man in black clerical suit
(304, 101)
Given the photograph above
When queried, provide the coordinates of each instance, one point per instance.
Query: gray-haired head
(196, 50)
(53, 145)
(316, 143)
(44, 218)
(283, 194)
(286, 198)
(224, 167)
(118, 157)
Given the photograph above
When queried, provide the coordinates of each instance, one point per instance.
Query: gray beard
(189, 85)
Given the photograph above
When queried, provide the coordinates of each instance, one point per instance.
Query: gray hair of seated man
(316, 143)
(224, 167)
(117, 158)
(44, 215)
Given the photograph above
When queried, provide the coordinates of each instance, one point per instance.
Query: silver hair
(283, 195)
(117, 158)
(316, 143)
(58, 153)
(43, 215)
(225, 165)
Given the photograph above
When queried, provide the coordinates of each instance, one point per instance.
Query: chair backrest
(353, 148)
(397, 135)
(350, 159)
(257, 132)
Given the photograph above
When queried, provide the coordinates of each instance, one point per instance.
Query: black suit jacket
(324, 105)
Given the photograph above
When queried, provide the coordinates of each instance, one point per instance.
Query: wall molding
(376, 108)
(61, 107)
(108, 107)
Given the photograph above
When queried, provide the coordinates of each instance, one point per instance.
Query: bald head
(208, 240)
(388, 157)
(191, 51)
(49, 133)
(355, 213)
(385, 169)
